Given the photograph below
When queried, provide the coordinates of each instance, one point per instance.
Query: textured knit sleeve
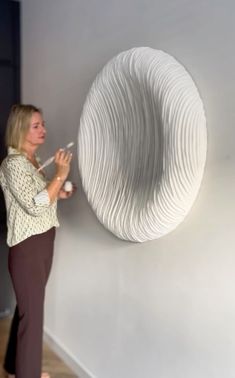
(22, 186)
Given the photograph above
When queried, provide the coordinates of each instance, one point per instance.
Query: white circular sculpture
(142, 144)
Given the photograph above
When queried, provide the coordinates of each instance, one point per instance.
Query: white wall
(160, 309)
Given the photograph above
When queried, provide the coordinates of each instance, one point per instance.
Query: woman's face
(37, 132)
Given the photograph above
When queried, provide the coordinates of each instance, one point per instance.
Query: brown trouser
(29, 265)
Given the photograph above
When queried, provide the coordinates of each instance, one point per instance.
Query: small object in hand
(51, 159)
(68, 186)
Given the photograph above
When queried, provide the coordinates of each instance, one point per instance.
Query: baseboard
(5, 313)
(70, 360)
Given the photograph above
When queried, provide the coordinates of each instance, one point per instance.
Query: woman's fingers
(68, 157)
(63, 157)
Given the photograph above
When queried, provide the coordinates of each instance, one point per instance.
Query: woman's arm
(62, 161)
(22, 186)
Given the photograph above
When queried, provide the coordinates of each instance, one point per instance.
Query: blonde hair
(18, 124)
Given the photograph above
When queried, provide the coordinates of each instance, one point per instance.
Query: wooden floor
(51, 363)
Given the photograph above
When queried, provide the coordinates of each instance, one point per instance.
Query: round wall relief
(142, 144)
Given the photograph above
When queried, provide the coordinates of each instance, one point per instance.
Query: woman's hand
(62, 162)
(63, 194)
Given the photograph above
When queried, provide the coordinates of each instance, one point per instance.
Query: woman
(31, 220)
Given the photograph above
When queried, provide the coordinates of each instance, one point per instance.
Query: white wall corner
(69, 359)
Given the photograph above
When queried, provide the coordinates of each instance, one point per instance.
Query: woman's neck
(29, 151)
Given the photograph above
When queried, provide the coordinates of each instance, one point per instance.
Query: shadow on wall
(7, 298)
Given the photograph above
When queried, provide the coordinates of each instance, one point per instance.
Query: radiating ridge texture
(142, 144)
